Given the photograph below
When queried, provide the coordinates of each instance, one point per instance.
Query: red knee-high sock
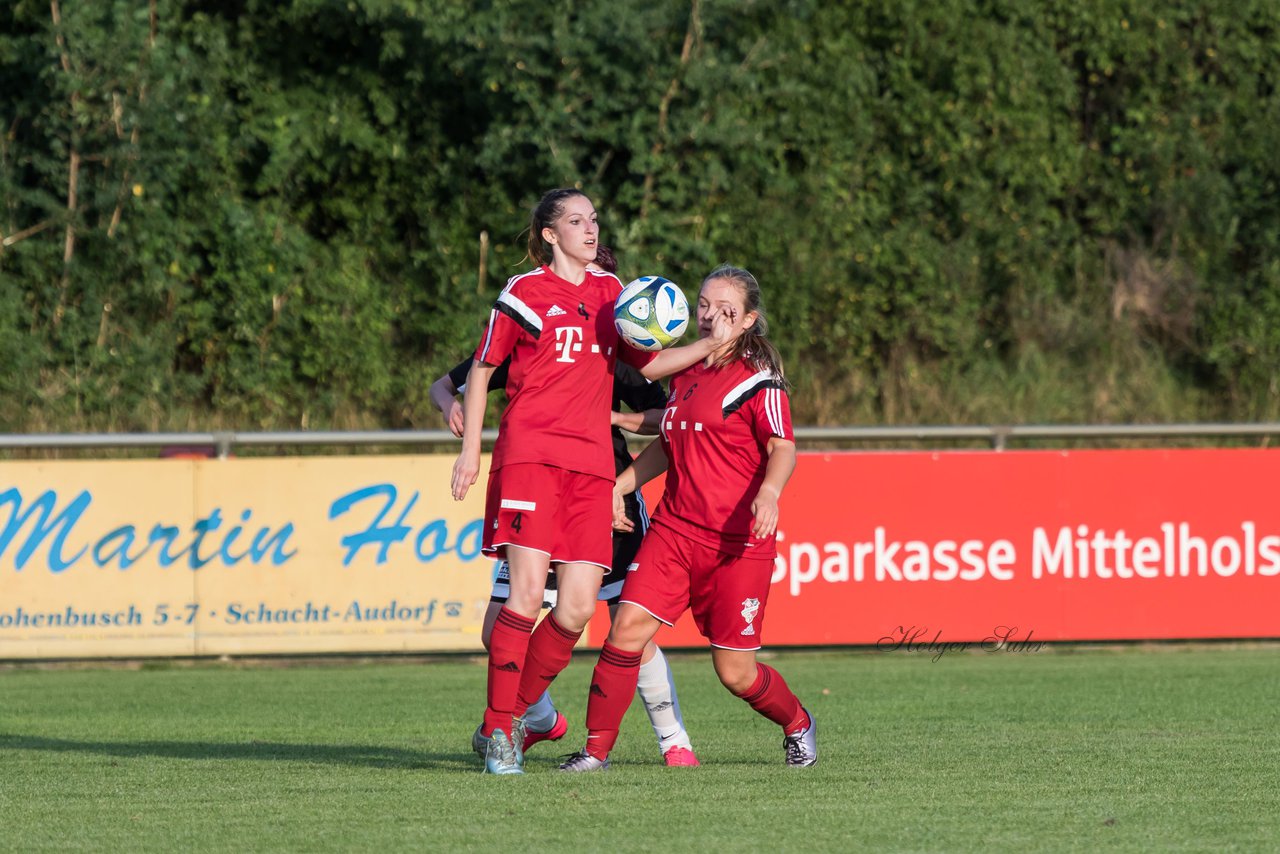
(613, 684)
(771, 697)
(508, 645)
(550, 649)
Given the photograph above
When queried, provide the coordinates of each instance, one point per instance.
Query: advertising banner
(908, 550)
(918, 550)
(210, 557)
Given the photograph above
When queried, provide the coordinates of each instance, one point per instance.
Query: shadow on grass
(371, 756)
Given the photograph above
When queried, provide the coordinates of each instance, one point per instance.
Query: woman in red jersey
(657, 687)
(728, 449)
(548, 503)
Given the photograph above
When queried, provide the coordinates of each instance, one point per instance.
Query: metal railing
(222, 443)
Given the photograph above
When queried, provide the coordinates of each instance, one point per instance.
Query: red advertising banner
(917, 550)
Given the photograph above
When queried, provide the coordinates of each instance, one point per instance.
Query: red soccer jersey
(716, 430)
(563, 345)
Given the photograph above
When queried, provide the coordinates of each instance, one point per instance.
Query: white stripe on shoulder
(746, 385)
(518, 305)
(493, 315)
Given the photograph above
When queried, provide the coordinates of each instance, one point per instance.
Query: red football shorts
(565, 514)
(727, 593)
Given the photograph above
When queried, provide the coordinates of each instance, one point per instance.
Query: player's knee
(525, 603)
(632, 628)
(574, 616)
(737, 676)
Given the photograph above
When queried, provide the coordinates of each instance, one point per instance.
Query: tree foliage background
(294, 213)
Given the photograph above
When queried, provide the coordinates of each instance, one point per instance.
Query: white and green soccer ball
(651, 313)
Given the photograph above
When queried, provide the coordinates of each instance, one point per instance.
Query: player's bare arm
(641, 423)
(467, 467)
(650, 463)
(782, 462)
(676, 359)
(721, 332)
(629, 421)
(444, 396)
(650, 422)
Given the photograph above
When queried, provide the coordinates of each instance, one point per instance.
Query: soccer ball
(651, 313)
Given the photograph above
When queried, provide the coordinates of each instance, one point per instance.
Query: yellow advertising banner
(239, 556)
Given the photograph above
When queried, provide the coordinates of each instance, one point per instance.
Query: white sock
(658, 693)
(541, 716)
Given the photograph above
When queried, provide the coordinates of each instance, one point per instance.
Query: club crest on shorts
(750, 607)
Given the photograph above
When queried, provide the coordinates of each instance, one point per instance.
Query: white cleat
(802, 747)
(583, 761)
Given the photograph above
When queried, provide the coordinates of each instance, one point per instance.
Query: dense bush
(285, 214)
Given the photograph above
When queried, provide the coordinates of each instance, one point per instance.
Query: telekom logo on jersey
(568, 340)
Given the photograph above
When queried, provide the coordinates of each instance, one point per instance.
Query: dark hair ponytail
(605, 259)
(754, 344)
(545, 212)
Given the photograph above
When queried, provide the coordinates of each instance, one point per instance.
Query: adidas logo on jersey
(555, 311)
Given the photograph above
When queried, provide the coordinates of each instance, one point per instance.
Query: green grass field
(1167, 748)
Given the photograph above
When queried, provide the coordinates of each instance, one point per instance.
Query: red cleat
(557, 731)
(679, 756)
